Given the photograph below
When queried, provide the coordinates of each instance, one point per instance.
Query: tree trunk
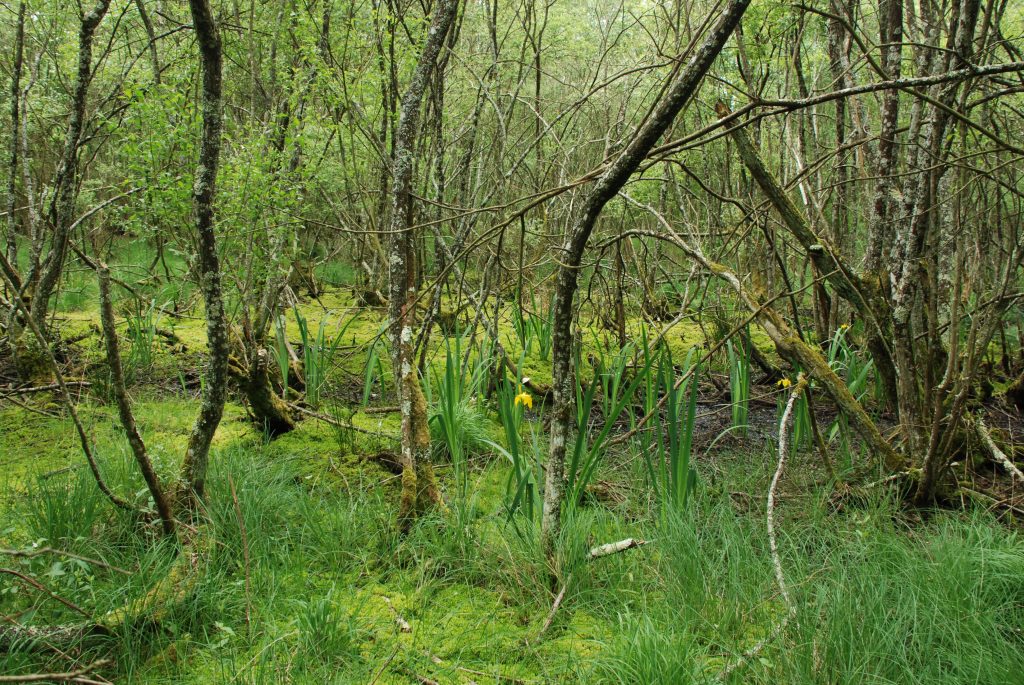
(679, 91)
(193, 477)
(12, 224)
(62, 204)
(859, 292)
(419, 485)
(124, 407)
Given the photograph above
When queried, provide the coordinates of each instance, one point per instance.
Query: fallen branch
(28, 580)
(335, 422)
(76, 676)
(46, 388)
(780, 578)
(554, 609)
(402, 624)
(594, 553)
(28, 554)
(496, 677)
(993, 449)
(615, 547)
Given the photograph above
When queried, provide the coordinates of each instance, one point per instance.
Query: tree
(193, 474)
(677, 93)
(419, 485)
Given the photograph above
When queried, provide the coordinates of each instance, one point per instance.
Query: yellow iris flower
(784, 383)
(524, 398)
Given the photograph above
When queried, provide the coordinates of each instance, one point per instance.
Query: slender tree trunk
(683, 85)
(419, 485)
(193, 480)
(62, 205)
(124, 407)
(154, 57)
(12, 224)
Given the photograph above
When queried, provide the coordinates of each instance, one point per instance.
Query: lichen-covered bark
(12, 224)
(880, 224)
(193, 476)
(65, 188)
(677, 94)
(920, 394)
(419, 486)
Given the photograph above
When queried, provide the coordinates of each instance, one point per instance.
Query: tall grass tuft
(523, 486)
(142, 321)
(587, 453)
(318, 354)
(669, 450)
(739, 383)
(456, 420)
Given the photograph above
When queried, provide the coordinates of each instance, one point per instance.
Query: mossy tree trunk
(60, 214)
(419, 484)
(193, 475)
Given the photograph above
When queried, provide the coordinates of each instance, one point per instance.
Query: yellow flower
(524, 398)
(784, 383)
(844, 326)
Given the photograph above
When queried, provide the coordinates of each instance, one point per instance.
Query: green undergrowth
(313, 592)
(173, 355)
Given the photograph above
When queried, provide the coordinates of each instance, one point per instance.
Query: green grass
(880, 600)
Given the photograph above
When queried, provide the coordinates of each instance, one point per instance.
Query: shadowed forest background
(512, 341)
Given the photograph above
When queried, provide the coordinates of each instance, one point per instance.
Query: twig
(402, 624)
(594, 553)
(381, 410)
(780, 578)
(997, 454)
(974, 494)
(28, 554)
(615, 548)
(335, 422)
(554, 609)
(42, 588)
(46, 388)
(391, 657)
(83, 437)
(67, 677)
(497, 677)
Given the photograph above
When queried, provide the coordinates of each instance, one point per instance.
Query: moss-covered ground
(307, 575)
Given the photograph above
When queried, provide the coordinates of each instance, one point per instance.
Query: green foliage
(739, 383)
(669, 447)
(318, 354)
(373, 370)
(142, 321)
(876, 602)
(587, 453)
(533, 327)
(523, 489)
(456, 419)
(280, 352)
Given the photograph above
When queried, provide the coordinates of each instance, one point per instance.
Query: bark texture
(419, 485)
(60, 214)
(124, 407)
(193, 476)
